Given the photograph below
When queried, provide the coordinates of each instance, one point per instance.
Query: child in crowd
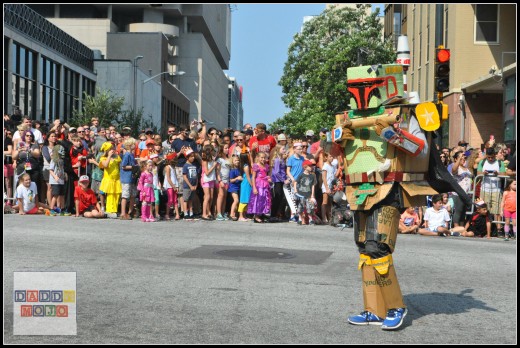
(97, 177)
(147, 195)
(279, 178)
(480, 224)
(128, 187)
(328, 175)
(245, 185)
(223, 169)
(235, 178)
(111, 183)
(208, 180)
(304, 191)
(436, 220)
(171, 186)
(27, 196)
(409, 222)
(78, 157)
(57, 178)
(157, 185)
(190, 181)
(260, 200)
(85, 199)
(446, 204)
(508, 208)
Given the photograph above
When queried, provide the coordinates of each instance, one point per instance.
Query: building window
(49, 90)
(23, 87)
(486, 23)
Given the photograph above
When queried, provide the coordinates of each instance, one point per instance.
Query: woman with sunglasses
(27, 156)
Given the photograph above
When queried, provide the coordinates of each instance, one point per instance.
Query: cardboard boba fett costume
(388, 166)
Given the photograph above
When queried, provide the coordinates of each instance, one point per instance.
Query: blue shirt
(177, 146)
(190, 170)
(234, 186)
(126, 175)
(296, 165)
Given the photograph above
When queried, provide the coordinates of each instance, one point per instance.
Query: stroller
(341, 215)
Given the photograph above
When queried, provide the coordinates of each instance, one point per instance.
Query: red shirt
(74, 157)
(87, 198)
(265, 145)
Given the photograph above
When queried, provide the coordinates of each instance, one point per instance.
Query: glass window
(486, 23)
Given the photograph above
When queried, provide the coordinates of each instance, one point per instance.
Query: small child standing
(27, 196)
(235, 178)
(223, 169)
(304, 191)
(508, 208)
(78, 157)
(171, 186)
(147, 195)
(208, 180)
(279, 178)
(86, 201)
(57, 180)
(190, 176)
(245, 186)
(328, 174)
(260, 199)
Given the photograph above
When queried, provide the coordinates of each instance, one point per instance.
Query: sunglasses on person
(171, 131)
(239, 139)
(9, 133)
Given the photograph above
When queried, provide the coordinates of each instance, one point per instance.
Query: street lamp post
(136, 58)
(178, 73)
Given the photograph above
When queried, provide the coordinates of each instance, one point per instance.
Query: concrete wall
(204, 83)
(90, 32)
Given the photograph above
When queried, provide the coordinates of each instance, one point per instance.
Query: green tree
(314, 81)
(108, 108)
(103, 105)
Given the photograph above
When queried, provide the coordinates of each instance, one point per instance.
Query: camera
(90, 155)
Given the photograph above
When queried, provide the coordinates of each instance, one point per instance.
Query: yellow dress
(111, 184)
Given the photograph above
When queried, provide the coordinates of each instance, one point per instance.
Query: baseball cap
(84, 178)
(188, 152)
(309, 133)
(282, 137)
(148, 130)
(149, 141)
(72, 129)
(463, 143)
(324, 130)
(171, 156)
(307, 163)
(248, 132)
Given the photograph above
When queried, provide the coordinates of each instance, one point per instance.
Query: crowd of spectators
(197, 171)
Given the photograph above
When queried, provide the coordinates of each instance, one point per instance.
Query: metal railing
(478, 179)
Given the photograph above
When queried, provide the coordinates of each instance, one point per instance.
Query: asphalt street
(243, 283)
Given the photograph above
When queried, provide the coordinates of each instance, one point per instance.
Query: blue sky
(260, 37)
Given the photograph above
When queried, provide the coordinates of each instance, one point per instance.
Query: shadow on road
(420, 305)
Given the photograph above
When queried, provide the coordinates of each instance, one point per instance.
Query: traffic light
(442, 70)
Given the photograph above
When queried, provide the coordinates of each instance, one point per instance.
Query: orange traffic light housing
(442, 70)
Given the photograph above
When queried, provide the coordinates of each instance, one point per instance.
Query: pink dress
(145, 186)
(260, 203)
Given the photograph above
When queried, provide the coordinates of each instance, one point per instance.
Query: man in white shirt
(37, 134)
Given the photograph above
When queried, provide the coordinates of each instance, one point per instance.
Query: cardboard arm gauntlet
(403, 140)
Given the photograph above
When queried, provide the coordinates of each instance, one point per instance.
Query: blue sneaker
(394, 318)
(365, 318)
(293, 219)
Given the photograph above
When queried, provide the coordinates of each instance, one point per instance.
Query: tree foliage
(314, 81)
(108, 108)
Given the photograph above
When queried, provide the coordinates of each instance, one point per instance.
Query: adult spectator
(464, 178)
(38, 138)
(231, 149)
(180, 145)
(167, 144)
(101, 138)
(247, 135)
(511, 167)
(81, 134)
(261, 142)
(490, 191)
(309, 136)
(315, 146)
(247, 126)
(88, 136)
(50, 142)
(8, 164)
(70, 204)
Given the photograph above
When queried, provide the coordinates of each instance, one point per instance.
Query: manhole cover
(256, 254)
